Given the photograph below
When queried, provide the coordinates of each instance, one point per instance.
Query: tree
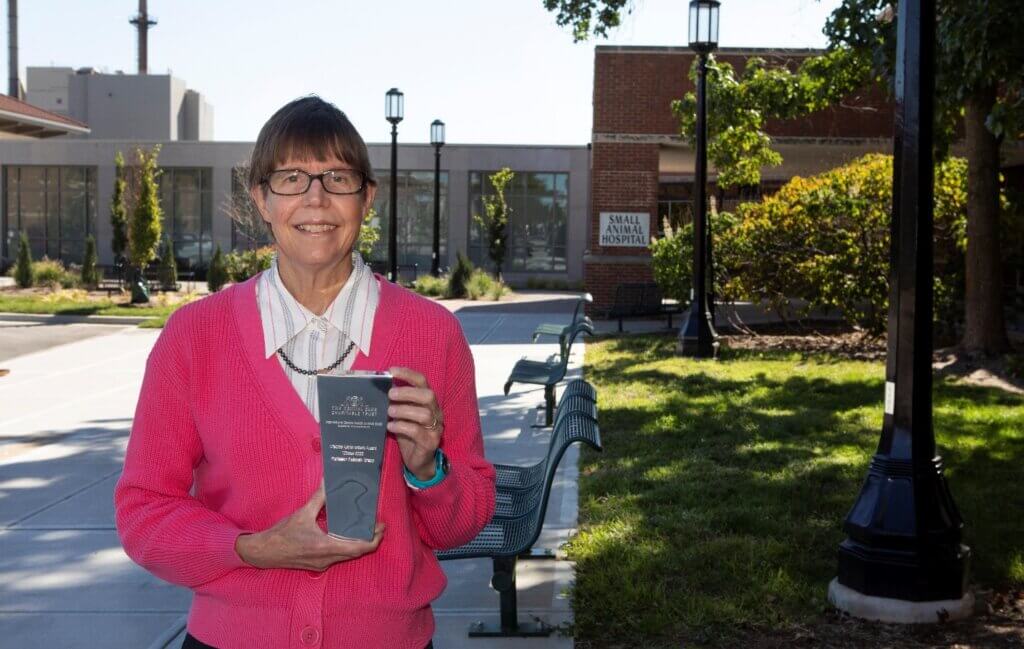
(495, 219)
(23, 266)
(145, 226)
(118, 209)
(217, 274)
(978, 62)
(168, 266)
(90, 274)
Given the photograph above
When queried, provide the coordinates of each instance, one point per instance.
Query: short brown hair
(310, 128)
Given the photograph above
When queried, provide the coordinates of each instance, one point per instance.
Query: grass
(65, 306)
(716, 508)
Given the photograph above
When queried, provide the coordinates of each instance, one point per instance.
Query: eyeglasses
(292, 182)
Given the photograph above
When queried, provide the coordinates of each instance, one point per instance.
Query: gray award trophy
(353, 425)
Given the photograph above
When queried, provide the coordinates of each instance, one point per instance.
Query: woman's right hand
(298, 542)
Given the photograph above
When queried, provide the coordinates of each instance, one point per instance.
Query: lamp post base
(697, 338)
(899, 611)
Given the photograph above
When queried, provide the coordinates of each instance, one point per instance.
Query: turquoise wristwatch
(440, 471)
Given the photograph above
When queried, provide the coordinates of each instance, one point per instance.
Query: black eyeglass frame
(320, 176)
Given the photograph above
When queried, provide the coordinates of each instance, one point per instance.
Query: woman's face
(316, 229)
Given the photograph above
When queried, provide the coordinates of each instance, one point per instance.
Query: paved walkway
(65, 413)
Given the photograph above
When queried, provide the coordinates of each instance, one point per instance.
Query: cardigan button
(310, 636)
(316, 444)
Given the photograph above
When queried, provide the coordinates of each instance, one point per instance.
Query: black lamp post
(903, 532)
(437, 139)
(394, 110)
(697, 336)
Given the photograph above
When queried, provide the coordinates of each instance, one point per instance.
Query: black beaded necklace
(289, 363)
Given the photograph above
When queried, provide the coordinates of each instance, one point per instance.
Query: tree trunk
(984, 322)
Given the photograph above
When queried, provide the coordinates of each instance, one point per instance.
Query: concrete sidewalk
(65, 413)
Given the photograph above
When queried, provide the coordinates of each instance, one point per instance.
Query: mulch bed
(999, 624)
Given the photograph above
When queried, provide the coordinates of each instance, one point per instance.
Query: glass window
(187, 203)
(536, 232)
(54, 206)
(415, 217)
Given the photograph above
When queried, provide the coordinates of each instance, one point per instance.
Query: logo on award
(354, 406)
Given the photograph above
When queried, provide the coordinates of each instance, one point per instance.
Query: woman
(222, 486)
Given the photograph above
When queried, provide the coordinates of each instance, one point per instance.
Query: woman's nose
(316, 195)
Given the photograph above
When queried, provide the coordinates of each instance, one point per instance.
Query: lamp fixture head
(394, 105)
(437, 133)
(704, 24)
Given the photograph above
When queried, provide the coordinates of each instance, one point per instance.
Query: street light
(437, 139)
(394, 110)
(902, 560)
(697, 336)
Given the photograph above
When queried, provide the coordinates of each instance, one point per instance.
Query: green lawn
(36, 304)
(716, 508)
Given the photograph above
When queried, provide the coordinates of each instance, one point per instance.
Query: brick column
(624, 178)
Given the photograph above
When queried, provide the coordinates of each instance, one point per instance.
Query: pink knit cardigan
(222, 444)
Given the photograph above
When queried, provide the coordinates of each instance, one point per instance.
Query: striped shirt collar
(284, 317)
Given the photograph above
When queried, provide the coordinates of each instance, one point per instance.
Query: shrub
(50, 272)
(168, 270)
(216, 275)
(497, 290)
(431, 286)
(90, 273)
(23, 275)
(826, 239)
(480, 283)
(672, 257)
(243, 264)
(460, 276)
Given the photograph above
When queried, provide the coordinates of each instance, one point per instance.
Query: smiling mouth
(315, 228)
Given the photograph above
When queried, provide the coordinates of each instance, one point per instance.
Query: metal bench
(575, 399)
(516, 525)
(548, 372)
(639, 300)
(562, 331)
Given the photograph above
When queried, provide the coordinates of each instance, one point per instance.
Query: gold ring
(433, 424)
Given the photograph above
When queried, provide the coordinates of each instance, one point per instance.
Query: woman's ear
(370, 193)
(259, 199)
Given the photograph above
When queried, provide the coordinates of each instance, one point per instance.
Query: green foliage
(51, 272)
(431, 286)
(740, 105)
(216, 274)
(672, 257)
(497, 290)
(480, 284)
(145, 226)
(586, 18)
(23, 266)
(495, 219)
(240, 265)
(977, 49)
(168, 271)
(826, 239)
(459, 276)
(118, 209)
(90, 273)
(369, 234)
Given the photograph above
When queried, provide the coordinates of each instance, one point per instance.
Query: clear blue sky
(496, 71)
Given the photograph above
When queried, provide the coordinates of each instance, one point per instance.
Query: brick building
(640, 165)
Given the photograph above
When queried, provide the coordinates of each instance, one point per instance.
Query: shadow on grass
(718, 503)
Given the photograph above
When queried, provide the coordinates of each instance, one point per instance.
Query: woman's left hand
(416, 421)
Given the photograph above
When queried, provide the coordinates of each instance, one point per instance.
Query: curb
(50, 318)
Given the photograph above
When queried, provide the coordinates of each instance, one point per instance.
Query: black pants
(192, 643)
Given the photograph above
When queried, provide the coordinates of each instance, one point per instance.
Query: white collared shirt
(313, 342)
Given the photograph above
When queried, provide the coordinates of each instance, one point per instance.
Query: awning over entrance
(21, 118)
